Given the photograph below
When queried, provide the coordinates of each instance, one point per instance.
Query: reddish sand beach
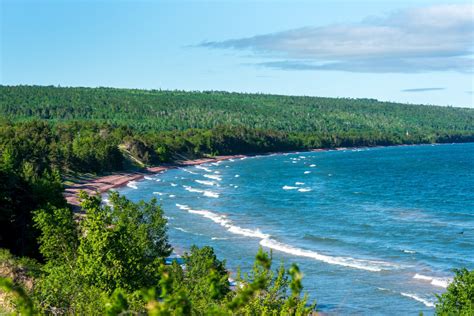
(103, 184)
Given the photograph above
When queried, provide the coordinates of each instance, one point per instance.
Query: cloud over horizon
(425, 39)
(422, 89)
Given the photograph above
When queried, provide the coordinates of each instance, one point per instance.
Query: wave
(191, 189)
(132, 184)
(289, 187)
(237, 175)
(182, 229)
(409, 251)
(307, 172)
(204, 192)
(439, 282)
(211, 194)
(173, 184)
(159, 193)
(305, 190)
(312, 165)
(299, 183)
(369, 265)
(219, 238)
(205, 182)
(188, 171)
(419, 299)
(148, 178)
(226, 223)
(213, 177)
(204, 168)
(183, 207)
(172, 195)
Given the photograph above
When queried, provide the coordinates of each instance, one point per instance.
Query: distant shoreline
(102, 184)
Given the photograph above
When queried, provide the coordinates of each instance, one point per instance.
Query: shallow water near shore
(375, 231)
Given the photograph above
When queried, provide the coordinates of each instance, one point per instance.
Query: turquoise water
(375, 231)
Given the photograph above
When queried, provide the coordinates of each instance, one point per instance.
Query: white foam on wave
(307, 172)
(173, 184)
(409, 251)
(304, 190)
(188, 171)
(211, 194)
(299, 183)
(159, 193)
(148, 178)
(289, 187)
(439, 282)
(312, 166)
(369, 265)
(158, 180)
(191, 189)
(181, 229)
(204, 168)
(419, 299)
(217, 172)
(226, 223)
(172, 195)
(132, 184)
(183, 207)
(206, 193)
(205, 182)
(213, 177)
(237, 175)
(219, 238)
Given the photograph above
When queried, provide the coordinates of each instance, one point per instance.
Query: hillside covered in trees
(117, 266)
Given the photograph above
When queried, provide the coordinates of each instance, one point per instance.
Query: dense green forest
(111, 261)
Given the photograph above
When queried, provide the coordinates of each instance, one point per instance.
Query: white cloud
(435, 38)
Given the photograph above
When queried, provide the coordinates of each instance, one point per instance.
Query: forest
(112, 261)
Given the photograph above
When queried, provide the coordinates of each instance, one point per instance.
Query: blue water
(375, 231)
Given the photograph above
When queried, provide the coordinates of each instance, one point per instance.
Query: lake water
(375, 231)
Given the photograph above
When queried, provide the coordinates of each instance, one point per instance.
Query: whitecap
(369, 265)
(408, 251)
(226, 223)
(205, 182)
(159, 193)
(181, 229)
(419, 299)
(312, 166)
(299, 183)
(439, 282)
(188, 171)
(191, 189)
(204, 168)
(219, 238)
(307, 172)
(148, 178)
(237, 175)
(213, 177)
(183, 206)
(158, 180)
(304, 190)
(289, 187)
(211, 194)
(132, 184)
(172, 196)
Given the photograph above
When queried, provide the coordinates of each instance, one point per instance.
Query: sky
(404, 51)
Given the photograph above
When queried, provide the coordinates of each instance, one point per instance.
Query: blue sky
(407, 51)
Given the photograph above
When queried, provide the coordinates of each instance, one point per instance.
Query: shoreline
(102, 184)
